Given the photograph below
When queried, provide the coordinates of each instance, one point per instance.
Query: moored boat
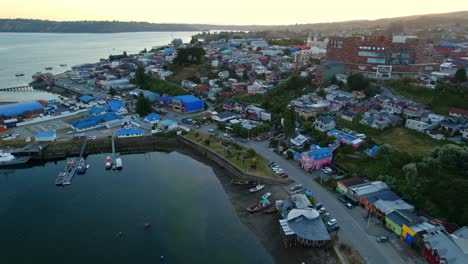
(48, 68)
(259, 206)
(257, 188)
(239, 182)
(266, 196)
(108, 163)
(70, 165)
(60, 178)
(118, 163)
(81, 168)
(63, 65)
(19, 75)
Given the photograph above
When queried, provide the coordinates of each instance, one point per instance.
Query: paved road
(352, 232)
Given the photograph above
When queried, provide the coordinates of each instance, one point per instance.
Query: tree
(143, 105)
(460, 76)
(290, 122)
(140, 76)
(194, 40)
(357, 82)
(321, 92)
(125, 54)
(189, 56)
(287, 52)
(112, 91)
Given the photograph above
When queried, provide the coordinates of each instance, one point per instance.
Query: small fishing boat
(257, 188)
(19, 75)
(239, 182)
(63, 65)
(81, 168)
(266, 195)
(147, 225)
(60, 178)
(48, 68)
(259, 206)
(70, 165)
(118, 163)
(108, 163)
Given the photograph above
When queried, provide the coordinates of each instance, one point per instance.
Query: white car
(332, 222)
(327, 170)
(322, 210)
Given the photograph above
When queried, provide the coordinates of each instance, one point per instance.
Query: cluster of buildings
(436, 240)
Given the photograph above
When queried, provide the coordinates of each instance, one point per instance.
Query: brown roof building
(381, 56)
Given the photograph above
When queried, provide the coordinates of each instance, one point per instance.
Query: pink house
(317, 157)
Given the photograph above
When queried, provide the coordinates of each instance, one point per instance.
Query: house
(380, 119)
(418, 125)
(167, 125)
(299, 140)
(85, 98)
(415, 111)
(464, 133)
(412, 233)
(453, 124)
(183, 103)
(355, 192)
(256, 89)
(46, 136)
(97, 110)
(137, 132)
(372, 152)
(152, 118)
(152, 96)
(345, 138)
(223, 75)
(395, 220)
(117, 107)
(343, 185)
(394, 107)
(324, 123)
(317, 157)
(443, 248)
(348, 115)
(228, 104)
(93, 122)
(458, 112)
(202, 88)
(383, 203)
(224, 116)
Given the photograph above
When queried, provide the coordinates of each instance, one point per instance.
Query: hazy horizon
(240, 12)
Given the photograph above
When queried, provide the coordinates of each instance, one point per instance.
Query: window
(375, 60)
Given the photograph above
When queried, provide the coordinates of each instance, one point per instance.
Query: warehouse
(138, 132)
(184, 103)
(20, 110)
(94, 121)
(46, 136)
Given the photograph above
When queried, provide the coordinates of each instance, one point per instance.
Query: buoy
(162, 258)
(147, 225)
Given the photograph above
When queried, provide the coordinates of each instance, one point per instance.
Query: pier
(70, 174)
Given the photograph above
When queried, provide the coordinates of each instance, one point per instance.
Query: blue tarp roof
(372, 151)
(114, 106)
(97, 110)
(128, 132)
(85, 98)
(94, 120)
(152, 117)
(10, 110)
(46, 134)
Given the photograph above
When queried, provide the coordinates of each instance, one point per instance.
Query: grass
(232, 155)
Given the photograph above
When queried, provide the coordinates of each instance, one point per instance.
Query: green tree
(189, 56)
(140, 76)
(290, 122)
(287, 52)
(194, 40)
(143, 105)
(460, 75)
(321, 93)
(357, 81)
(125, 54)
(112, 91)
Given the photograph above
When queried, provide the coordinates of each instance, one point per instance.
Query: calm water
(192, 218)
(29, 53)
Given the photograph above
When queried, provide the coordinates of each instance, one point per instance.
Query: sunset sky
(238, 12)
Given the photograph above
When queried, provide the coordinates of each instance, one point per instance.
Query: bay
(29, 53)
(192, 218)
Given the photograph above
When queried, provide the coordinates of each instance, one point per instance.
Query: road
(352, 231)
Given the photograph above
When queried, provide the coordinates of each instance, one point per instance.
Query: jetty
(71, 174)
(116, 161)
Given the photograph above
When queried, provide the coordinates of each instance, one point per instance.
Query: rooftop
(10, 110)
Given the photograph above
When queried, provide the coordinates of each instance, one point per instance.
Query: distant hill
(447, 23)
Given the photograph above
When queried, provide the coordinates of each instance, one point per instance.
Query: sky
(234, 12)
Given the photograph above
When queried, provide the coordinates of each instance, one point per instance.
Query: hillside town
(330, 113)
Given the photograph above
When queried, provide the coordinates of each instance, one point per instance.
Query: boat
(259, 206)
(81, 168)
(63, 65)
(118, 163)
(266, 195)
(7, 159)
(257, 188)
(19, 75)
(108, 163)
(240, 182)
(60, 178)
(48, 68)
(271, 210)
(70, 165)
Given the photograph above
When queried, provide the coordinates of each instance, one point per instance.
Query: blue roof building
(114, 106)
(86, 98)
(187, 104)
(18, 109)
(152, 96)
(97, 110)
(138, 132)
(152, 118)
(371, 152)
(46, 136)
(94, 121)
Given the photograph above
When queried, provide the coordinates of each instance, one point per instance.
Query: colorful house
(343, 185)
(345, 138)
(395, 220)
(442, 248)
(183, 103)
(317, 157)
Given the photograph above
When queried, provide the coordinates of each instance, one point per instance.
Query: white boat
(8, 159)
(257, 188)
(108, 163)
(118, 163)
(266, 196)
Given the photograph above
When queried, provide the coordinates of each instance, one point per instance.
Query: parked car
(349, 205)
(322, 210)
(342, 200)
(327, 170)
(211, 130)
(335, 228)
(326, 215)
(332, 222)
(381, 239)
(284, 175)
(226, 135)
(318, 206)
(296, 187)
